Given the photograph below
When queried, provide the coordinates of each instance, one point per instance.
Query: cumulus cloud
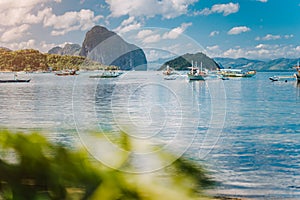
(144, 33)
(31, 43)
(238, 30)
(18, 12)
(226, 9)
(128, 25)
(149, 8)
(214, 33)
(288, 36)
(260, 51)
(14, 33)
(274, 37)
(268, 37)
(174, 33)
(70, 21)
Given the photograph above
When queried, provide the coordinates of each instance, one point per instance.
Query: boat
(66, 73)
(196, 73)
(169, 71)
(237, 73)
(15, 80)
(224, 78)
(274, 78)
(107, 74)
(282, 78)
(288, 78)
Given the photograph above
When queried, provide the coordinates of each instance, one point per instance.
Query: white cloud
(263, 1)
(269, 37)
(152, 39)
(18, 12)
(238, 30)
(144, 33)
(213, 48)
(150, 36)
(174, 33)
(288, 36)
(128, 25)
(274, 37)
(261, 46)
(226, 9)
(70, 21)
(149, 8)
(214, 33)
(14, 33)
(261, 51)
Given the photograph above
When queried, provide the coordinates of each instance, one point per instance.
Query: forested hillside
(33, 60)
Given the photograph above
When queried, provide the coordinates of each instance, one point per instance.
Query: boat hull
(195, 77)
(15, 81)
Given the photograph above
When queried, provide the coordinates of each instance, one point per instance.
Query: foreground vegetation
(33, 168)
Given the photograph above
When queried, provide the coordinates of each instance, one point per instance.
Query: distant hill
(33, 60)
(108, 48)
(276, 64)
(4, 49)
(68, 49)
(185, 61)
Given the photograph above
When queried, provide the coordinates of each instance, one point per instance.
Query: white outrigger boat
(296, 76)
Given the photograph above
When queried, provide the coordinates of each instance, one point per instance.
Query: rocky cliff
(108, 48)
(68, 49)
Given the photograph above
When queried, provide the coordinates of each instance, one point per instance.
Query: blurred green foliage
(33, 168)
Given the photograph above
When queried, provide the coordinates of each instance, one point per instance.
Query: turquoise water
(245, 131)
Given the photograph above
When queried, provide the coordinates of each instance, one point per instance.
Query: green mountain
(185, 61)
(276, 64)
(33, 60)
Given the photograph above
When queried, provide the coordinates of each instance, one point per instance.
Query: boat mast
(201, 66)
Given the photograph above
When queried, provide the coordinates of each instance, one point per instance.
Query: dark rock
(55, 50)
(68, 49)
(108, 48)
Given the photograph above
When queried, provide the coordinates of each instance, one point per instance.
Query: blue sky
(256, 29)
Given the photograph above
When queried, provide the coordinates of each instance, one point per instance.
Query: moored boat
(169, 71)
(15, 80)
(107, 74)
(197, 74)
(237, 73)
(66, 73)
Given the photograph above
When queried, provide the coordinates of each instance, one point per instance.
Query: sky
(254, 29)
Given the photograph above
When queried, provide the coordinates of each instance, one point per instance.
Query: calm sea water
(245, 131)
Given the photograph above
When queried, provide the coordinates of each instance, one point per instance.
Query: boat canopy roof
(232, 70)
